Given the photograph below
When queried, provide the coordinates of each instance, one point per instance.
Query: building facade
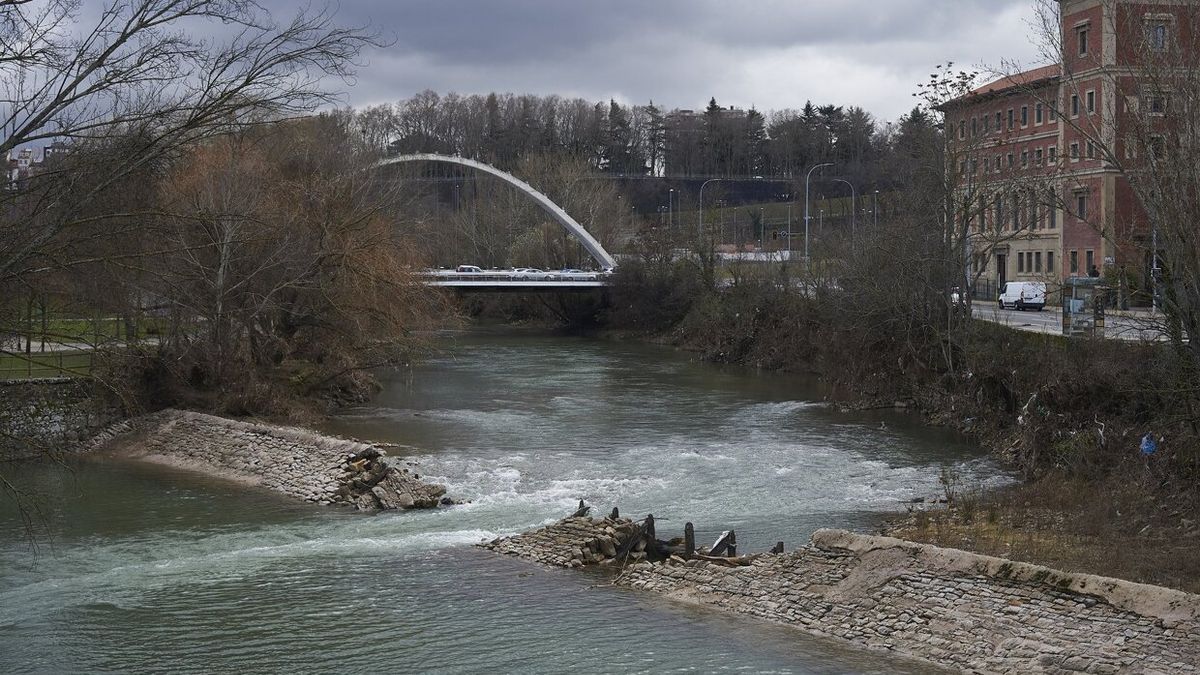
(1040, 153)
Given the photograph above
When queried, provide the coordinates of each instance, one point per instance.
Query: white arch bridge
(563, 218)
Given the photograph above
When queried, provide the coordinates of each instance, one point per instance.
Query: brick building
(1038, 153)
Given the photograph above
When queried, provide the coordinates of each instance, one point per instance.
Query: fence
(35, 365)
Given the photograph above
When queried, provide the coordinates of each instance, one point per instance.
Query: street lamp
(807, 215)
(700, 229)
(670, 211)
(853, 206)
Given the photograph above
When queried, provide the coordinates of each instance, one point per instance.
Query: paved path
(1133, 326)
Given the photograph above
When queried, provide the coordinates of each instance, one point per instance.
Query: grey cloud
(680, 52)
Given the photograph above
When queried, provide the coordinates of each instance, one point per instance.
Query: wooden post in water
(689, 540)
(648, 530)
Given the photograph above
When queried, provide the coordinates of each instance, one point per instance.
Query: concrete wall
(42, 417)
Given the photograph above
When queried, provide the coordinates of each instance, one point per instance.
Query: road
(1131, 326)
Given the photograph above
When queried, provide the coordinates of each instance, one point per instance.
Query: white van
(1023, 295)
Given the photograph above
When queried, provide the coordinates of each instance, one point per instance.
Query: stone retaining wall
(41, 417)
(296, 462)
(952, 608)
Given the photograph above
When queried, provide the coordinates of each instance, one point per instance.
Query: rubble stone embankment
(952, 608)
(296, 462)
(573, 542)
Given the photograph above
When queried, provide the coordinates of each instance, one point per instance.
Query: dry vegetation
(1123, 526)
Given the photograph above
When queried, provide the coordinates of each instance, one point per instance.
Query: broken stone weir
(301, 464)
(951, 608)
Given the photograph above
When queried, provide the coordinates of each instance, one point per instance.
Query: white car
(1023, 295)
(527, 273)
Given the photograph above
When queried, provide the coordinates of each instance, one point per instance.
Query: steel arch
(570, 224)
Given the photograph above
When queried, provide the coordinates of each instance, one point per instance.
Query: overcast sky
(771, 54)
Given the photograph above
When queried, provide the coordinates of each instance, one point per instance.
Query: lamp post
(700, 228)
(807, 214)
(875, 209)
(670, 210)
(1154, 272)
(853, 206)
(789, 230)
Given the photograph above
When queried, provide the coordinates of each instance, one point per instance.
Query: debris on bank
(296, 462)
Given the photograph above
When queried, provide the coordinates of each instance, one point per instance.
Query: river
(140, 568)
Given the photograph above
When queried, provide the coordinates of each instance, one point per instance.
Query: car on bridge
(468, 269)
(571, 274)
(530, 273)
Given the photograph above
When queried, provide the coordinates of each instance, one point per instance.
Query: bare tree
(138, 70)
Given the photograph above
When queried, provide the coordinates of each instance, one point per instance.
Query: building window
(1037, 114)
(1074, 105)
(1053, 204)
(1037, 261)
(1020, 263)
(1037, 157)
(1011, 119)
(987, 125)
(1016, 212)
(999, 214)
(999, 122)
(1074, 262)
(1074, 152)
(974, 127)
(1090, 256)
(962, 130)
(1156, 104)
(1024, 159)
(1081, 34)
(1158, 34)
(1091, 101)
(1012, 162)
(1091, 150)
(1157, 147)
(998, 164)
(1024, 115)
(1049, 261)
(1081, 205)
(987, 164)
(1053, 154)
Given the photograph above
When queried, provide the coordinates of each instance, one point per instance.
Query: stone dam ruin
(947, 607)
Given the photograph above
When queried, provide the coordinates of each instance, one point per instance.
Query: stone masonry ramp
(296, 462)
(952, 608)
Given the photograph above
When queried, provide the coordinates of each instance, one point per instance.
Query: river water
(146, 569)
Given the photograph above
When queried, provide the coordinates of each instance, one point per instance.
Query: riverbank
(947, 607)
(296, 462)
(1067, 415)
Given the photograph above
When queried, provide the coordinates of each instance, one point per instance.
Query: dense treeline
(641, 140)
